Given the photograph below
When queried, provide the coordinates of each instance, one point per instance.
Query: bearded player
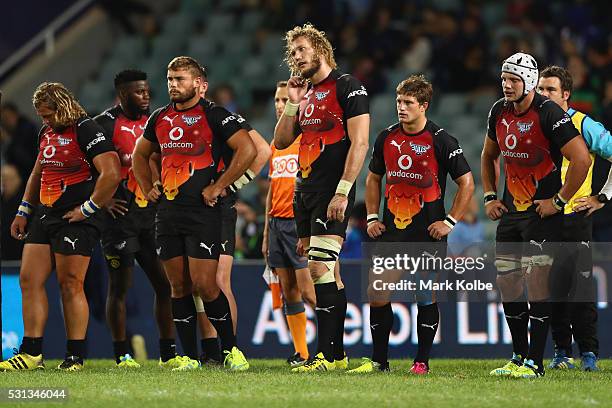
(330, 109)
(190, 133)
(210, 347)
(533, 134)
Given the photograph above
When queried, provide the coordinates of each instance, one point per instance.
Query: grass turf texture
(270, 384)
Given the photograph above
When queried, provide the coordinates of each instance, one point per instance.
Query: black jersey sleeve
(451, 154)
(107, 120)
(149, 131)
(377, 160)
(243, 123)
(92, 138)
(352, 96)
(223, 123)
(556, 124)
(492, 119)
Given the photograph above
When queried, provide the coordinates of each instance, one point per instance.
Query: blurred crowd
(458, 44)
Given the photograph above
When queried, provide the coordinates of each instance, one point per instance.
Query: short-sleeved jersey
(228, 152)
(322, 121)
(125, 132)
(530, 144)
(66, 159)
(191, 145)
(416, 167)
(283, 171)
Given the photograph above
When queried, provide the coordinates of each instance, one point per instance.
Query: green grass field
(270, 384)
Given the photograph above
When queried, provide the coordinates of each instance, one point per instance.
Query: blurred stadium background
(458, 45)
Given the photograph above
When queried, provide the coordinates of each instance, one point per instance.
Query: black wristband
(490, 197)
(558, 202)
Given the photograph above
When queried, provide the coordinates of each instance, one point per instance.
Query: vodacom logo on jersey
(404, 162)
(307, 114)
(176, 134)
(511, 141)
(49, 151)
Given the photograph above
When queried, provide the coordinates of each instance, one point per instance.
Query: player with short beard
(210, 347)
(533, 134)
(330, 109)
(190, 133)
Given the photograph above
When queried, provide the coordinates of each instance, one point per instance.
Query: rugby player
(76, 173)
(415, 155)
(280, 238)
(532, 134)
(129, 224)
(330, 109)
(210, 347)
(577, 317)
(190, 133)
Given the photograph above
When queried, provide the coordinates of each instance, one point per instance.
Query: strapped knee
(537, 260)
(324, 250)
(507, 265)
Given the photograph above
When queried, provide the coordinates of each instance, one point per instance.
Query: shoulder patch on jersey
(561, 121)
(455, 153)
(361, 91)
(99, 137)
(228, 119)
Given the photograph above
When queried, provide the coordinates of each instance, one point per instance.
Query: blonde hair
(318, 40)
(55, 95)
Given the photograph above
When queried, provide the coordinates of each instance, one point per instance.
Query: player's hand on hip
(337, 207)
(74, 215)
(18, 227)
(155, 193)
(591, 204)
(438, 230)
(376, 229)
(495, 209)
(296, 88)
(210, 194)
(116, 207)
(545, 208)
